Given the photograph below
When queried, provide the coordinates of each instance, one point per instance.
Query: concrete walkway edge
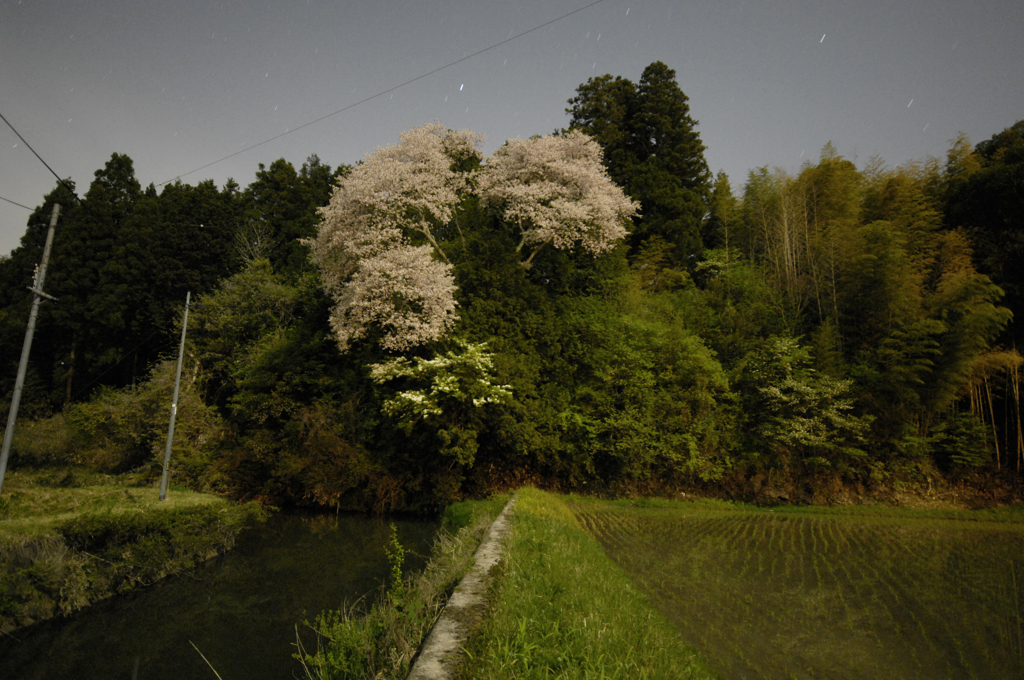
(440, 652)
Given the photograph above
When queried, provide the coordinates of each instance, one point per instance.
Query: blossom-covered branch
(404, 292)
(366, 247)
(557, 191)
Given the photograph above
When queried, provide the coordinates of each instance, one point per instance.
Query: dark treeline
(834, 329)
(124, 258)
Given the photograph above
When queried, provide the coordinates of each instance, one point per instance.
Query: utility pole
(37, 296)
(174, 402)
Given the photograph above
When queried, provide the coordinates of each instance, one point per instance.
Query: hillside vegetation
(589, 310)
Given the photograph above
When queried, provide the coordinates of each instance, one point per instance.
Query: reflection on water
(239, 610)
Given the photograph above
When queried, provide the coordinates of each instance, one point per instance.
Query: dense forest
(589, 310)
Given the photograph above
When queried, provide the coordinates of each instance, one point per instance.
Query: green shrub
(119, 430)
(40, 443)
(460, 515)
(961, 441)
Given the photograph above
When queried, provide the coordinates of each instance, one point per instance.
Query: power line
(41, 161)
(383, 92)
(15, 203)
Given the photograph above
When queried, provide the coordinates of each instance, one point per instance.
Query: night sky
(178, 85)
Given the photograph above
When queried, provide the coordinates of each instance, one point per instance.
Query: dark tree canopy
(987, 199)
(653, 151)
(281, 206)
(125, 257)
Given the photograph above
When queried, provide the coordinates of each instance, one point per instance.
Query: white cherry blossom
(557, 191)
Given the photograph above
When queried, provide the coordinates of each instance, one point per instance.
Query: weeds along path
(441, 650)
(797, 594)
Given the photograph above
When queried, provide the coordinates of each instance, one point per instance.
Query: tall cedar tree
(282, 204)
(88, 315)
(653, 152)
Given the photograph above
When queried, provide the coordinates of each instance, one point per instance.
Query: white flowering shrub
(557, 191)
(445, 394)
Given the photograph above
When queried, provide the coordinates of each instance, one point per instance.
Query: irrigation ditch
(241, 611)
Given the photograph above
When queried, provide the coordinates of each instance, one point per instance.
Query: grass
(69, 539)
(828, 592)
(559, 608)
(35, 503)
(379, 640)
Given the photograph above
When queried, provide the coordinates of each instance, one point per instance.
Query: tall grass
(559, 608)
(379, 639)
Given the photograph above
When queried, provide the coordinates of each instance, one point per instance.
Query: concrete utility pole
(38, 295)
(174, 403)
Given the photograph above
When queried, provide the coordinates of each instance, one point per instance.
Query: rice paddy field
(828, 593)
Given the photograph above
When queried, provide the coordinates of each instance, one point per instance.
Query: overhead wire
(16, 203)
(25, 142)
(383, 92)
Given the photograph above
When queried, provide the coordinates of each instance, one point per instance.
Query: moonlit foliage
(447, 394)
(463, 375)
(557, 191)
(804, 410)
(365, 247)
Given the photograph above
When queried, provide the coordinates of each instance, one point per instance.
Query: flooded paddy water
(240, 610)
(797, 595)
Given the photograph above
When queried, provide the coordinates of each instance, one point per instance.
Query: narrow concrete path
(440, 652)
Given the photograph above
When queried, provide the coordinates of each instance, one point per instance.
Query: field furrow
(774, 594)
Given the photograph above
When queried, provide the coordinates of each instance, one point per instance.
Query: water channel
(240, 610)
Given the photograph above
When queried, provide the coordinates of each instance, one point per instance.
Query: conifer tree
(88, 315)
(653, 152)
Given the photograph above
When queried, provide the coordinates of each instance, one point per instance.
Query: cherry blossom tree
(376, 249)
(403, 291)
(557, 191)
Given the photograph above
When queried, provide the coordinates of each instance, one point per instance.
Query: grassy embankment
(560, 608)
(828, 592)
(70, 539)
(379, 639)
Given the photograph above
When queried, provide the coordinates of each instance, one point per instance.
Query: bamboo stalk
(1016, 400)
(978, 410)
(995, 428)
